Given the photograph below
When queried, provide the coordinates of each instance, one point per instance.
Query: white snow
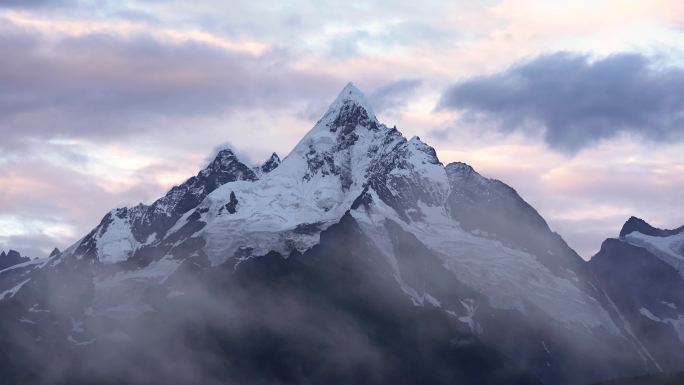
(270, 209)
(117, 243)
(13, 291)
(382, 242)
(35, 309)
(677, 323)
(470, 307)
(509, 278)
(79, 343)
(351, 93)
(432, 300)
(648, 314)
(669, 249)
(22, 265)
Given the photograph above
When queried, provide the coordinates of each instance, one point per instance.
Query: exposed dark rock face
(495, 210)
(648, 292)
(226, 167)
(11, 258)
(351, 116)
(156, 219)
(271, 163)
(232, 204)
(639, 225)
(404, 190)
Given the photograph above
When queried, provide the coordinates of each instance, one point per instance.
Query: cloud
(32, 3)
(394, 95)
(347, 45)
(44, 203)
(584, 198)
(241, 155)
(109, 84)
(33, 245)
(576, 101)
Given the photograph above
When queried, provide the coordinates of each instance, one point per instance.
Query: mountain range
(360, 258)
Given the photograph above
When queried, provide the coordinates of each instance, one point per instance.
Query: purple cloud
(576, 100)
(103, 86)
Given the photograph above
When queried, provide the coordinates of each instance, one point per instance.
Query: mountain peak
(55, 252)
(226, 153)
(272, 162)
(350, 93)
(643, 227)
(11, 258)
(460, 169)
(225, 160)
(636, 224)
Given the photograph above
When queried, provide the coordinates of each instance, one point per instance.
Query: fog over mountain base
(358, 259)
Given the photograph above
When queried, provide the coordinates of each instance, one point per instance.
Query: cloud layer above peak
(576, 101)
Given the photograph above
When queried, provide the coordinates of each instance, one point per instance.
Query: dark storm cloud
(576, 100)
(394, 94)
(101, 86)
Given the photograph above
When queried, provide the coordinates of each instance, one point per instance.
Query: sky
(577, 105)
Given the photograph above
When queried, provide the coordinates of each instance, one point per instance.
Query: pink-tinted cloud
(110, 103)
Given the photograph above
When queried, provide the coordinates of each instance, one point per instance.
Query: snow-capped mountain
(642, 270)
(126, 230)
(360, 258)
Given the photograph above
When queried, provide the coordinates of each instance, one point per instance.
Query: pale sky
(103, 104)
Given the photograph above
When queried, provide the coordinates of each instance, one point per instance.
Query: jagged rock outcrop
(11, 258)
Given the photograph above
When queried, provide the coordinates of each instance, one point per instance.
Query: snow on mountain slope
(123, 231)
(509, 278)
(117, 242)
(642, 272)
(347, 154)
(668, 248)
(315, 184)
